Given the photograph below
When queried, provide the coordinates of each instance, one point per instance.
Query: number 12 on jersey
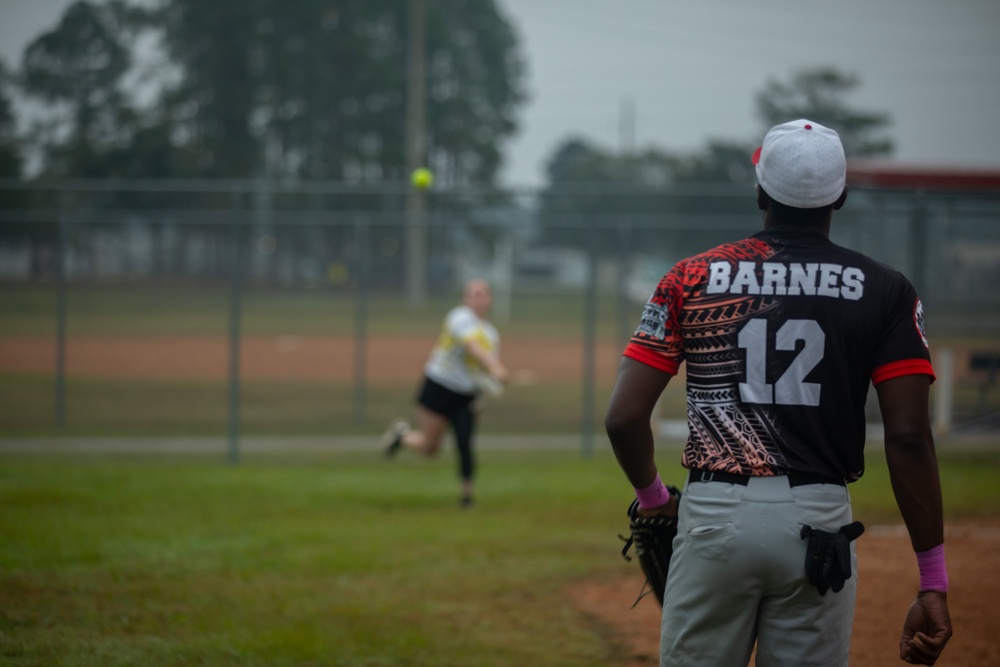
(791, 388)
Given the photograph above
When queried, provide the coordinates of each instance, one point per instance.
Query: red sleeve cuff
(900, 368)
(646, 356)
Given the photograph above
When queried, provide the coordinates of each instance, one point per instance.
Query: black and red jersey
(782, 333)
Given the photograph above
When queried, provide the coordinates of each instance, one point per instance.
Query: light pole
(416, 86)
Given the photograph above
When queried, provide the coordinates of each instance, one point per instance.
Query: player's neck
(821, 227)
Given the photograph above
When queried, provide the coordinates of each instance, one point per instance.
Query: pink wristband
(933, 573)
(654, 495)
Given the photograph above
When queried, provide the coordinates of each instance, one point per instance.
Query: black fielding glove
(653, 538)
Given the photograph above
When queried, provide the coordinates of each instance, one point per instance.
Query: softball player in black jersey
(782, 334)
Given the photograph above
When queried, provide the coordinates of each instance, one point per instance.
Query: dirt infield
(279, 357)
(292, 357)
(886, 584)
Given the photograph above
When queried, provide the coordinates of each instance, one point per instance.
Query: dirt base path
(887, 581)
(279, 357)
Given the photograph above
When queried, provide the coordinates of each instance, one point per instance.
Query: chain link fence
(194, 308)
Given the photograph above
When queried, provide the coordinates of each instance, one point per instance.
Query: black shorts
(442, 400)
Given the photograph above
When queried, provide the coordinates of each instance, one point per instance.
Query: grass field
(190, 309)
(107, 407)
(334, 559)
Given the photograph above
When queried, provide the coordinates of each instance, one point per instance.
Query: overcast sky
(690, 69)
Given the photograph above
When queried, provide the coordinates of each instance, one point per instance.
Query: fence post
(361, 323)
(918, 245)
(61, 288)
(589, 351)
(944, 397)
(623, 309)
(503, 276)
(235, 316)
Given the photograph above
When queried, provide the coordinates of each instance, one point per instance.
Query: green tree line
(655, 198)
(314, 90)
(262, 88)
(317, 90)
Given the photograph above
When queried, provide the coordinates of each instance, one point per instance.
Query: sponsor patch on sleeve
(654, 321)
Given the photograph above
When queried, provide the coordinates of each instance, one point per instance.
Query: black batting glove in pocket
(828, 555)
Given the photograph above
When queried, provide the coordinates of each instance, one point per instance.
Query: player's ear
(762, 198)
(840, 200)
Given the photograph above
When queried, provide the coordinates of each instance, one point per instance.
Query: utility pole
(416, 153)
(626, 126)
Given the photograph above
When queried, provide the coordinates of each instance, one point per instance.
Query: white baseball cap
(801, 164)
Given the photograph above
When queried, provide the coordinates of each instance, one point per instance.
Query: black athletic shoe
(465, 502)
(392, 439)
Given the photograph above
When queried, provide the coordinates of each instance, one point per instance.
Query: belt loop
(704, 476)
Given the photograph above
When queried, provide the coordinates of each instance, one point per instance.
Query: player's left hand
(926, 630)
(652, 531)
(668, 509)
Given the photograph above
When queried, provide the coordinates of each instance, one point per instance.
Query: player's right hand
(500, 373)
(926, 630)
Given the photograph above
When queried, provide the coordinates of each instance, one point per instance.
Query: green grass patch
(116, 408)
(205, 308)
(333, 559)
(336, 560)
(969, 479)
